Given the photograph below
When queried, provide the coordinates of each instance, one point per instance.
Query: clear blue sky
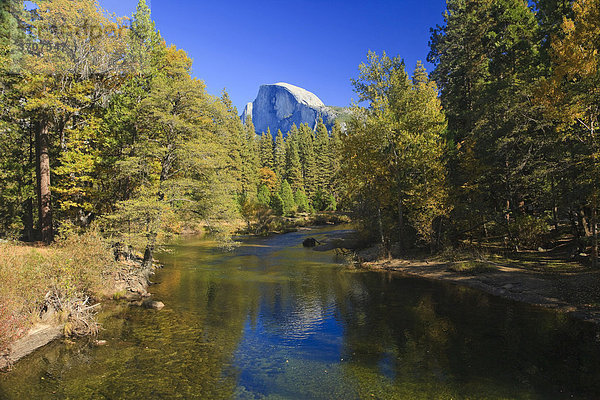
(317, 45)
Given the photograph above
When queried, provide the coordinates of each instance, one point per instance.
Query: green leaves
(392, 160)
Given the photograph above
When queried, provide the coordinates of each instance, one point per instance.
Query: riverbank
(53, 291)
(536, 277)
(575, 291)
(266, 223)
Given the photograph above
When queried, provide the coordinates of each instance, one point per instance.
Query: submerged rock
(153, 304)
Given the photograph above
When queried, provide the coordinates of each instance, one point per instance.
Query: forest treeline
(508, 151)
(103, 124)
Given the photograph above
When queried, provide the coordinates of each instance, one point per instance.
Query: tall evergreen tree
(487, 56)
(322, 157)
(287, 197)
(233, 137)
(306, 152)
(335, 151)
(266, 150)
(66, 81)
(293, 167)
(144, 41)
(279, 156)
(301, 201)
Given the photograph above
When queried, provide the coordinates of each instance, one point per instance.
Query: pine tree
(253, 160)
(335, 150)
(322, 158)
(457, 51)
(66, 82)
(487, 57)
(293, 167)
(16, 146)
(266, 150)
(233, 137)
(249, 167)
(301, 201)
(13, 37)
(287, 197)
(277, 204)
(145, 42)
(264, 195)
(279, 156)
(306, 152)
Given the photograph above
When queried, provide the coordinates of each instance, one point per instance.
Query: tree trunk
(594, 234)
(573, 216)
(28, 221)
(29, 234)
(401, 223)
(554, 206)
(584, 224)
(42, 144)
(380, 226)
(509, 234)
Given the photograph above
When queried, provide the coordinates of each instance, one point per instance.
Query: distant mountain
(280, 105)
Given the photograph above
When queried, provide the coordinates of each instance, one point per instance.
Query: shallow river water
(275, 320)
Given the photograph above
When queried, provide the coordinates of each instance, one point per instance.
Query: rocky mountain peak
(281, 105)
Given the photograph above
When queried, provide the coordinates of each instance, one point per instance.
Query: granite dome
(278, 106)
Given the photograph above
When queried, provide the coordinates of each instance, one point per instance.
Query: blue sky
(317, 45)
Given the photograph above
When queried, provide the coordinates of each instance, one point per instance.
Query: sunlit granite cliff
(280, 105)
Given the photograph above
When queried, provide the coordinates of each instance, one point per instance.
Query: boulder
(153, 304)
(310, 242)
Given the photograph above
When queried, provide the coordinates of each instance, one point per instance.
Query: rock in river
(155, 305)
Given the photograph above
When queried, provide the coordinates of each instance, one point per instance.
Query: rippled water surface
(274, 320)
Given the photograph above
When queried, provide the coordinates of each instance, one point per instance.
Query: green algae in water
(272, 320)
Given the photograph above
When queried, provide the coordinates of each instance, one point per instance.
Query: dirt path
(575, 293)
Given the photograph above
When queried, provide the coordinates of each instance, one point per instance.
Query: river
(273, 320)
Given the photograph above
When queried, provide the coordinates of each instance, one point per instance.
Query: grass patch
(34, 277)
(556, 261)
(471, 267)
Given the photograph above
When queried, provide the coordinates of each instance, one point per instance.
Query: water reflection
(275, 320)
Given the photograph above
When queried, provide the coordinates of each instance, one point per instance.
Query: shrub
(74, 268)
(530, 231)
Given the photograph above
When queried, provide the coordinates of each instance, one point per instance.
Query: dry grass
(471, 267)
(63, 276)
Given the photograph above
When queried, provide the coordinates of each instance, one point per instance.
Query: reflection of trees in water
(418, 339)
(402, 338)
(297, 307)
(187, 348)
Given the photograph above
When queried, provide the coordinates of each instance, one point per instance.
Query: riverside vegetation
(103, 128)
